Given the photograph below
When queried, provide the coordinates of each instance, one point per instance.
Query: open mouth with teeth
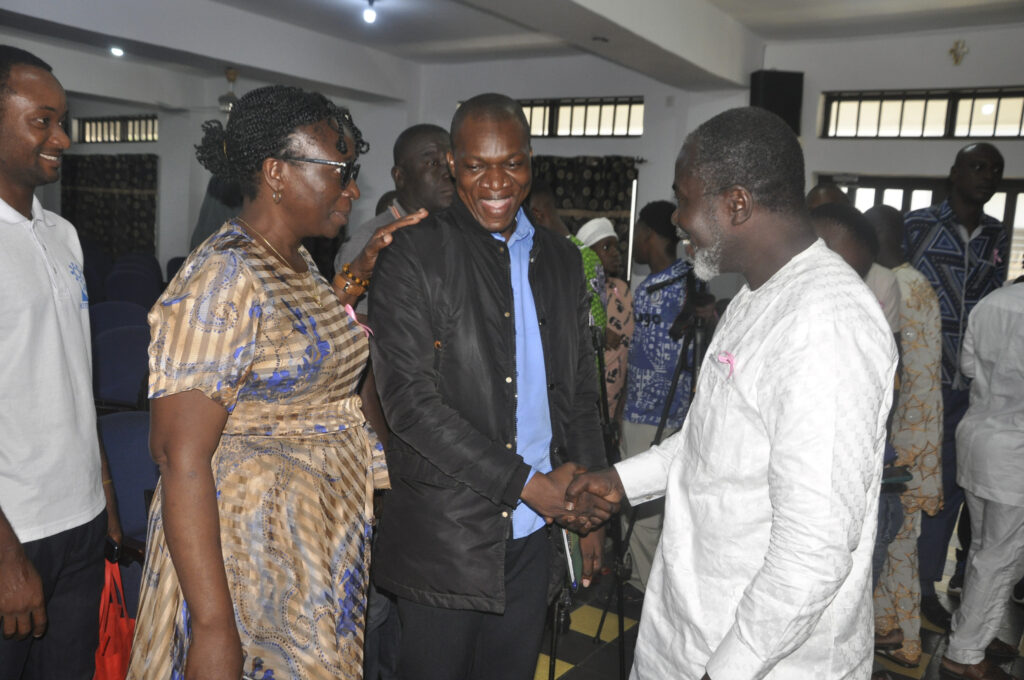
(496, 206)
(53, 158)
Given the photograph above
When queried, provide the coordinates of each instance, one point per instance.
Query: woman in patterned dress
(257, 549)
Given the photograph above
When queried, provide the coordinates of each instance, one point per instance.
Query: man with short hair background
(55, 492)
(771, 487)
(487, 376)
(962, 252)
(422, 181)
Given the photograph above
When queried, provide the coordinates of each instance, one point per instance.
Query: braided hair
(260, 127)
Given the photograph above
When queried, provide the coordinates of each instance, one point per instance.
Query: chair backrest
(133, 285)
(125, 437)
(121, 365)
(146, 260)
(115, 314)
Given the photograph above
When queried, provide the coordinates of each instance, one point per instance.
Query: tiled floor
(580, 658)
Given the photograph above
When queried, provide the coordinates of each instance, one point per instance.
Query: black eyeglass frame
(349, 169)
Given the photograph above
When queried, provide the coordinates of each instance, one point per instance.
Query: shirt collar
(524, 229)
(12, 216)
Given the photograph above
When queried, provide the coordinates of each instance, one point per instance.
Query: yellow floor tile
(586, 618)
(543, 669)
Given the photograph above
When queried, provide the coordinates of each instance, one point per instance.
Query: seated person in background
(916, 437)
(599, 235)
(543, 212)
(422, 181)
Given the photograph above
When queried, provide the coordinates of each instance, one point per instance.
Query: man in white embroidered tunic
(771, 487)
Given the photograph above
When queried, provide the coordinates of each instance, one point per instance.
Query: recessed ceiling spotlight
(370, 14)
(117, 51)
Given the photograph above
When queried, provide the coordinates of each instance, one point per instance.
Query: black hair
(260, 127)
(489, 106)
(410, 135)
(851, 220)
(658, 216)
(888, 224)
(10, 57)
(829, 192)
(973, 147)
(752, 148)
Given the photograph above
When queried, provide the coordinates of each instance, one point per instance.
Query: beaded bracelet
(346, 269)
(348, 286)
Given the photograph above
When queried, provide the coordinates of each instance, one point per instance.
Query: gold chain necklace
(313, 286)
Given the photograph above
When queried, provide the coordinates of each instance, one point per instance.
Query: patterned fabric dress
(294, 468)
(616, 361)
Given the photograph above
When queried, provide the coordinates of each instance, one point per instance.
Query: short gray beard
(707, 262)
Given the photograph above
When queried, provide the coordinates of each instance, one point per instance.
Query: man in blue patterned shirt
(962, 252)
(653, 355)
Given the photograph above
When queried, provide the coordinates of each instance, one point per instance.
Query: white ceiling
(420, 30)
(808, 19)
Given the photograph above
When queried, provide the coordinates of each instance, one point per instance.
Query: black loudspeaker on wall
(781, 92)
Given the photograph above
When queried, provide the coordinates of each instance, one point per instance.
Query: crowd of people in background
(365, 458)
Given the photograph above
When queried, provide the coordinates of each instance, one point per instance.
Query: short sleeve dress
(294, 469)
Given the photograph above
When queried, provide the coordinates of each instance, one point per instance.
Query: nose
(494, 178)
(60, 138)
(352, 191)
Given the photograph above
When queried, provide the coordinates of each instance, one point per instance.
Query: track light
(370, 14)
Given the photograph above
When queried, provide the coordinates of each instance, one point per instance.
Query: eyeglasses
(349, 170)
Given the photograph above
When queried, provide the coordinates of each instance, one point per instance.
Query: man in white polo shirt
(52, 491)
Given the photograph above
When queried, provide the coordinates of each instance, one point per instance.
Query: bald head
(413, 137)
(826, 192)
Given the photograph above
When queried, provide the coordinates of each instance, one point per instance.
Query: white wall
(899, 62)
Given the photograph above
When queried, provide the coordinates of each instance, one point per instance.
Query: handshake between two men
(578, 500)
(574, 498)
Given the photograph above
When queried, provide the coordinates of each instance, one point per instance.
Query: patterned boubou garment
(294, 470)
(961, 272)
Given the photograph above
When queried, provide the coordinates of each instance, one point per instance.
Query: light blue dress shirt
(533, 418)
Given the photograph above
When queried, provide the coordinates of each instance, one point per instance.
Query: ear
(274, 174)
(738, 203)
(397, 177)
(450, 157)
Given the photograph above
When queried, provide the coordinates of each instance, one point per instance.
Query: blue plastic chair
(133, 285)
(145, 260)
(125, 438)
(116, 314)
(121, 367)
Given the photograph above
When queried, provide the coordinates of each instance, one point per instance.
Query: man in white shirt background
(771, 487)
(990, 468)
(55, 495)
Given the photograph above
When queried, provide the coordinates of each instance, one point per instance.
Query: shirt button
(504, 513)
(507, 315)
(508, 379)
(508, 446)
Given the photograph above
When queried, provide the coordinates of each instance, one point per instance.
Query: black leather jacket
(444, 360)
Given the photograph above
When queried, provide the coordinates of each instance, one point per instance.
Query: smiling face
(422, 178)
(490, 162)
(317, 201)
(32, 137)
(696, 215)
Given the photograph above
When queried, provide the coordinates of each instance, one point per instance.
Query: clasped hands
(576, 499)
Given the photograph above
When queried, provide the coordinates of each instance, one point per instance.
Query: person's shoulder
(925, 216)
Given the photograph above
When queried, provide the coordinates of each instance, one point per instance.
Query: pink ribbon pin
(728, 358)
(352, 315)
(996, 259)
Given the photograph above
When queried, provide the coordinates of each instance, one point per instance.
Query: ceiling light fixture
(117, 51)
(370, 14)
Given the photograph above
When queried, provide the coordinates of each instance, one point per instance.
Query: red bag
(116, 629)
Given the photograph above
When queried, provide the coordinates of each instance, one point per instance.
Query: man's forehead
(485, 129)
(978, 153)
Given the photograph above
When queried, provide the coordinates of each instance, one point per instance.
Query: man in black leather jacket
(472, 591)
